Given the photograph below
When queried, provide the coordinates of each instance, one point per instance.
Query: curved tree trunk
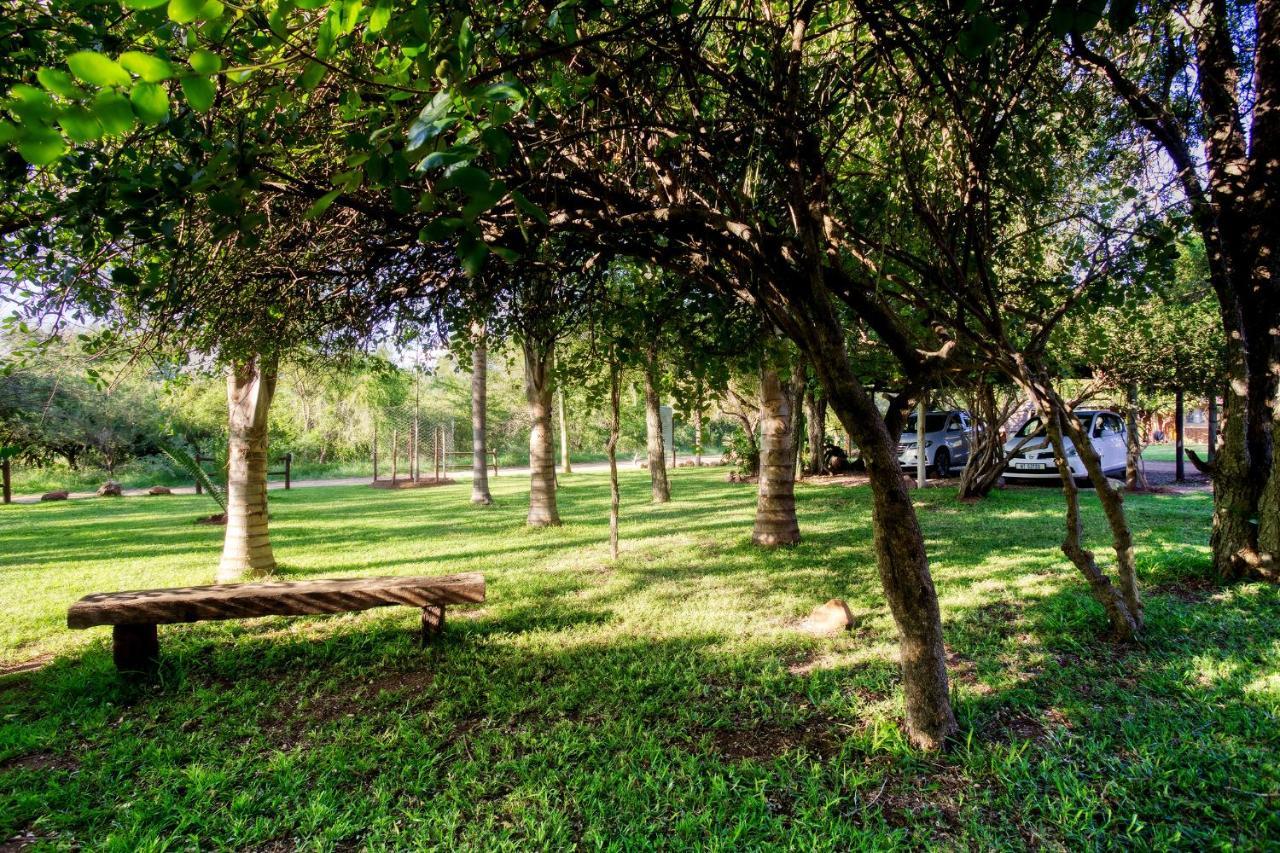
(987, 457)
(542, 461)
(776, 502)
(900, 553)
(479, 416)
(246, 546)
(661, 488)
(697, 432)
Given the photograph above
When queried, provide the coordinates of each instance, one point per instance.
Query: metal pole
(921, 462)
(375, 453)
(1179, 467)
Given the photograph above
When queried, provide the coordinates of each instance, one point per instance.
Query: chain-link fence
(409, 449)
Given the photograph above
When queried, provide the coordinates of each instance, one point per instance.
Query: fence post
(5, 474)
(375, 453)
(199, 459)
(288, 470)
(436, 450)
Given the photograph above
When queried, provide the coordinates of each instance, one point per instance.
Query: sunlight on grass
(668, 696)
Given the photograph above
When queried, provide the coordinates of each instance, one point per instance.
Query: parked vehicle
(947, 438)
(1034, 462)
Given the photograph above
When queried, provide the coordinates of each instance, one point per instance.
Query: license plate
(1030, 466)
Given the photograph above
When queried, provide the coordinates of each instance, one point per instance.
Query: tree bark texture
(660, 486)
(816, 421)
(542, 461)
(246, 546)
(479, 416)
(1134, 479)
(775, 522)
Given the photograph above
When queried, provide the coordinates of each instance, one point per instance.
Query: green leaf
(529, 208)
(472, 252)
(469, 179)
(41, 146)
(33, 106)
(80, 124)
(59, 82)
(499, 144)
(199, 92)
(211, 11)
(322, 204)
(184, 11)
(980, 35)
(97, 69)
(448, 157)
(380, 17)
(440, 228)
(205, 62)
(143, 5)
(311, 77)
(113, 112)
(150, 101)
(150, 68)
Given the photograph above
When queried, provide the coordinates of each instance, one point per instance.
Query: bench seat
(135, 614)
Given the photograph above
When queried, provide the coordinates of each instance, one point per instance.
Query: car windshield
(932, 423)
(1035, 427)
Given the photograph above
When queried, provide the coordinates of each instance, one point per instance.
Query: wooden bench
(134, 615)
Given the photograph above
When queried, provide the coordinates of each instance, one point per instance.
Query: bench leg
(136, 648)
(432, 621)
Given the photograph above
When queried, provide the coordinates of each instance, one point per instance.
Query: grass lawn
(1169, 452)
(666, 700)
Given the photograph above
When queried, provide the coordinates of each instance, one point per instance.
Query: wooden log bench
(135, 615)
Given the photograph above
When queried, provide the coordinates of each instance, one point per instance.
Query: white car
(1034, 462)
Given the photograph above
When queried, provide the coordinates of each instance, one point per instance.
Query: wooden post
(1213, 423)
(494, 451)
(199, 459)
(438, 450)
(432, 621)
(395, 451)
(921, 459)
(416, 465)
(375, 453)
(135, 648)
(1179, 443)
(288, 471)
(6, 474)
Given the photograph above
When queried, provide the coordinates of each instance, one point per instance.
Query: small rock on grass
(159, 490)
(55, 496)
(830, 618)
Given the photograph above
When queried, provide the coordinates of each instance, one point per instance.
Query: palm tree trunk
(479, 415)
(246, 547)
(776, 502)
(542, 460)
(661, 488)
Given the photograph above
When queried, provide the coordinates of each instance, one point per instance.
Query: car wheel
(942, 463)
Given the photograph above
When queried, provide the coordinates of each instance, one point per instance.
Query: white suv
(1034, 462)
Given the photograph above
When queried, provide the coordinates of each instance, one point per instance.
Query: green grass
(1168, 453)
(666, 700)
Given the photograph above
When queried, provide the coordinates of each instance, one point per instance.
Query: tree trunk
(1124, 608)
(697, 430)
(987, 456)
(775, 502)
(1134, 479)
(661, 488)
(479, 416)
(900, 553)
(542, 460)
(1124, 625)
(615, 497)
(246, 548)
(816, 419)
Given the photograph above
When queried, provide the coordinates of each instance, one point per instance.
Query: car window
(1106, 425)
(932, 423)
(1032, 427)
